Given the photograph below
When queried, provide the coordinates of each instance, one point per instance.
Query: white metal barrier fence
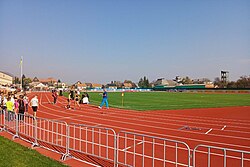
(116, 149)
(96, 141)
(149, 151)
(204, 155)
(42, 132)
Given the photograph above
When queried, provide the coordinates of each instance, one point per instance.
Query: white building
(5, 78)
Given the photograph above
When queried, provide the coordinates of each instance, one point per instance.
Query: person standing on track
(104, 99)
(21, 107)
(26, 102)
(55, 95)
(34, 105)
(77, 98)
(69, 101)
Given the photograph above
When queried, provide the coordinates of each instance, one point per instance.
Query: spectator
(34, 105)
(21, 107)
(10, 106)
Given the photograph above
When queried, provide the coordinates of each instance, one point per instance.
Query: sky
(104, 40)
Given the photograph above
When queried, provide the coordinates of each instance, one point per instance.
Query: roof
(48, 80)
(82, 85)
(95, 85)
(40, 85)
(7, 73)
(35, 79)
(128, 85)
(88, 84)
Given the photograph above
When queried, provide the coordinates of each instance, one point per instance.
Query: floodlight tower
(224, 77)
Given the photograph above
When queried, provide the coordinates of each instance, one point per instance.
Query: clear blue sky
(104, 40)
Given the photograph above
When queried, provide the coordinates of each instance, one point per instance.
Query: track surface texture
(227, 127)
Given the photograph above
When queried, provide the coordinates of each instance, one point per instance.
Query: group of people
(84, 99)
(78, 99)
(11, 104)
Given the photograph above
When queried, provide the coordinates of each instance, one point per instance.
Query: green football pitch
(170, 100)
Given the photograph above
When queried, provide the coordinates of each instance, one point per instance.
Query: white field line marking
(159, 127)
(206, 119)
(139, 117)
(161, 115)
(132, 146)
(193, 118)
(127, 122)
(223, 127)
(209, 131)
(152, 133)
(114, 115)
(139, 131)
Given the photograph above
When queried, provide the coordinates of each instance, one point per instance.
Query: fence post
(35, 144)
(115, 149)
(67, 154)
(3, 129)
(16, 118)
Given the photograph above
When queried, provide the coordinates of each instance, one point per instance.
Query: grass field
(166, 100)
(16, 155)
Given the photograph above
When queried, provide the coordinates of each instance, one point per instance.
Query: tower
(224, 77)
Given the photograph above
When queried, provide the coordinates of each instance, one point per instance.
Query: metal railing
(50, 134)
(144, 150)
(2, 120)
(218, 156)
(96, 141)
(116, 149)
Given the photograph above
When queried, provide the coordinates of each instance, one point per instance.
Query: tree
(59, 85)
(27, 81)
(17, 80)
(144, 82)
(140, 84)
(218, 82)
(232, 84)
(243, 82)
(186, 80)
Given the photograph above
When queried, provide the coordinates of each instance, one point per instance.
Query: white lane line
(223, 127)
(132, 146)
(151, 133)
(208, 131)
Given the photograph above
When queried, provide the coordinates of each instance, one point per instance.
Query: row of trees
(242, 82)
(26, 82)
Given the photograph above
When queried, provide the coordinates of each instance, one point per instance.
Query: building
(82, 86)
(111, 86)
(163, 82)
(97, 86)
(6, 78)
(127, 85)
(48, 81)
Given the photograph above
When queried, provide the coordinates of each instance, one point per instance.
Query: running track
(223, 127)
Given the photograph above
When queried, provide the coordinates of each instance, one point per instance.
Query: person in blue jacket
(104, 99)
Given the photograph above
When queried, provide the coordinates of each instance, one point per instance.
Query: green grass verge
(166, 100)
(14, 154)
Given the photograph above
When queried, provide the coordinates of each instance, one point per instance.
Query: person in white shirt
(4, 103)
(1, 99)
(34, 105)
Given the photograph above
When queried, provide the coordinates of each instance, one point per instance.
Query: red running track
(227, 127)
